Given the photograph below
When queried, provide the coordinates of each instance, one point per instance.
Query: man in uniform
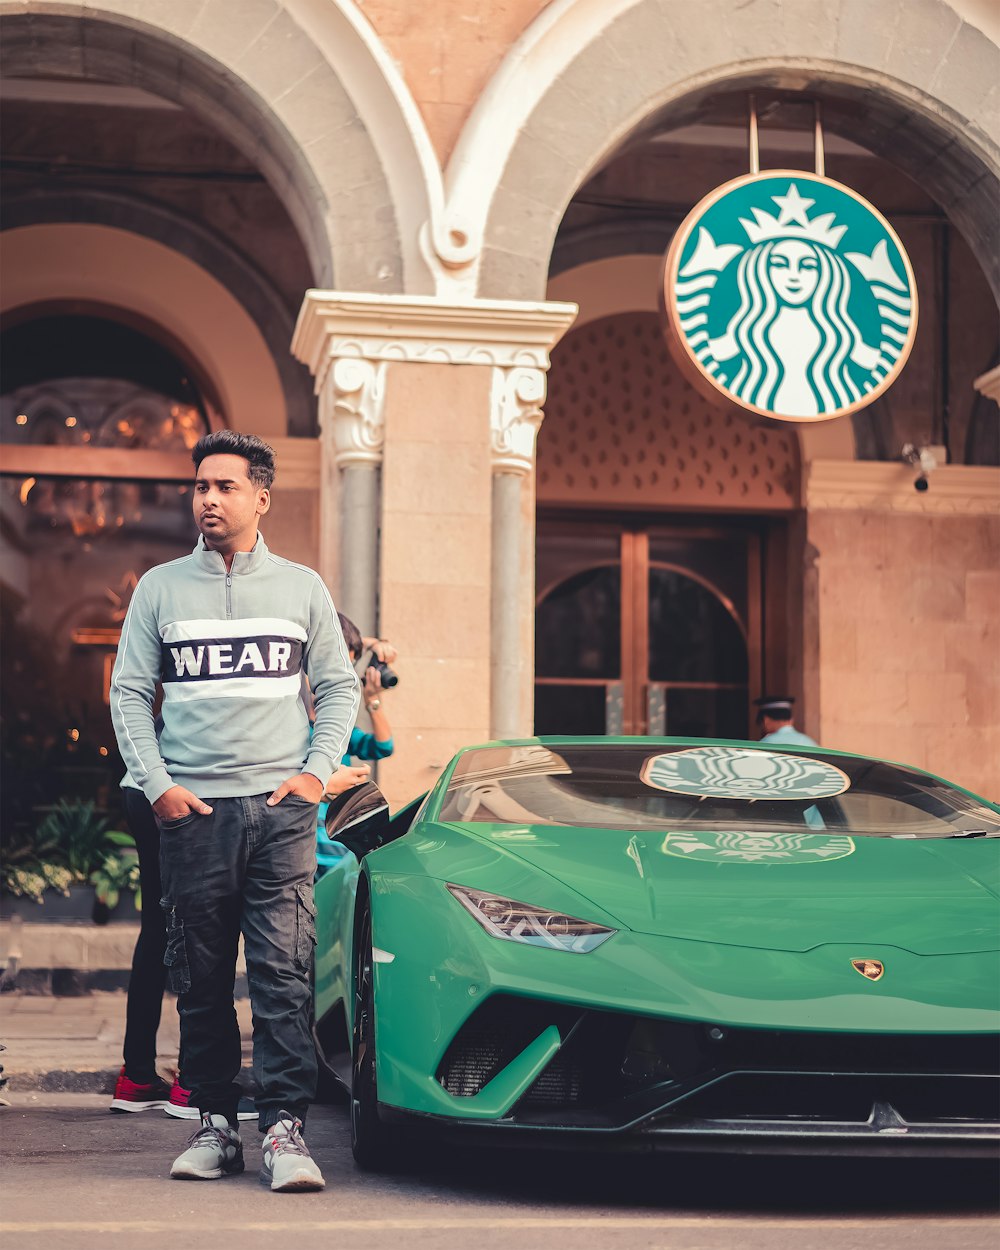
(774, 716)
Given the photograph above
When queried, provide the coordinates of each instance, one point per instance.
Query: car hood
(791, 891)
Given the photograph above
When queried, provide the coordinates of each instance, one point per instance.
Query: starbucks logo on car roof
(743, 773)
(790, 295)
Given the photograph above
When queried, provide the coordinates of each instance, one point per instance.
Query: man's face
(226, 504)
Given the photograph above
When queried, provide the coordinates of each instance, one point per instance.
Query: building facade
(418, 249)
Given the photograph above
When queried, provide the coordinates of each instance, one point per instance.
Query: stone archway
(267, 85)
(585, 77)
(207, 249)
(97, 265)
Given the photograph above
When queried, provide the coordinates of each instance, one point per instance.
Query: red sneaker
(129, 1096)
(179, 1105)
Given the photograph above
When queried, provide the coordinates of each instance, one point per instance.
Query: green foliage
(78, 831)
(118, 872)
(33, 882)
(71, 843)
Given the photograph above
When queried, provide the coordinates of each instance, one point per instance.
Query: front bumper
(730, 1137)
(619, 1045)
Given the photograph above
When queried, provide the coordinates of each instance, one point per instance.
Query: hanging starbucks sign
(790, 295)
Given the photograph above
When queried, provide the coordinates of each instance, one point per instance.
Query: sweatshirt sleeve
(335, 686)
(133, 686)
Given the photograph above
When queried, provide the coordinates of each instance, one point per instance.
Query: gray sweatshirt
(230, 650)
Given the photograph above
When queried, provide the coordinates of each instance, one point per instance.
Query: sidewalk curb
(62, 1081)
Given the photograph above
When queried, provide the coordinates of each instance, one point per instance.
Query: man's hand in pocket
(305, 785)
(176, 802)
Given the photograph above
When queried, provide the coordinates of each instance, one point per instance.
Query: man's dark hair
(352, 635)
(258, 455)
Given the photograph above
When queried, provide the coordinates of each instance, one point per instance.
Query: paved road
(72, 1174)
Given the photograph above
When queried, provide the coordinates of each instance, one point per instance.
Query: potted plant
(30, 866)
(118, 872)
(71, 851)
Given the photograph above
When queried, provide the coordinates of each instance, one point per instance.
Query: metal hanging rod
(819, 153)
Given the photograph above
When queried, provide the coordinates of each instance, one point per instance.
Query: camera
(388, 677)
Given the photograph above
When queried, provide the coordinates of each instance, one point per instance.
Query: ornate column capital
(348, 339)
(516, 398)
(351, 407)
(424, 329)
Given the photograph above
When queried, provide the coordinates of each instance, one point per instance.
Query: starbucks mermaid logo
(718, 772)
(790, 295)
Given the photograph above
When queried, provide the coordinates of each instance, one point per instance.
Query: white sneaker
(287, 1163)
(214, 1150)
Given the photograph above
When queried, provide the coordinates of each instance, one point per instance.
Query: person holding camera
(378, 744)
(361, 747)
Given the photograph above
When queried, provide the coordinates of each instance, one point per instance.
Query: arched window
(98, 420)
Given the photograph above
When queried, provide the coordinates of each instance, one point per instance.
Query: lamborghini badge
(870, 968)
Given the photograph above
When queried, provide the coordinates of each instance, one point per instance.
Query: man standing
(774, 716)
(235, 781)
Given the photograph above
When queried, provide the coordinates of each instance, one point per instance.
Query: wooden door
(647, 629)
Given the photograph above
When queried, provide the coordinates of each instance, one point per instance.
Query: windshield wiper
(975, 833)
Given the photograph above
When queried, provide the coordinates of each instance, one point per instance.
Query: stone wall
(447, 51)
(435, 569)
(907, 610)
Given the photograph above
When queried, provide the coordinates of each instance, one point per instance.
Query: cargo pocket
(175, 958)
(305, 924)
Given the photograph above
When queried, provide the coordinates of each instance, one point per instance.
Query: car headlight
(537, 926)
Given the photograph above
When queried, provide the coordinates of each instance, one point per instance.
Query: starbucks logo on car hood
(743, 773)
(758, 848)
(790, 295)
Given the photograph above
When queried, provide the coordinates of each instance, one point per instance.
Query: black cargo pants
(246, 867)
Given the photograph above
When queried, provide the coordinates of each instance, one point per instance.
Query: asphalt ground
(74, 1175)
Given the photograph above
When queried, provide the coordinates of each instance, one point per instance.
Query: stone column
(352, 421)
(516, 399)
(447, 399)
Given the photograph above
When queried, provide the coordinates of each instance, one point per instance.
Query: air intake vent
(494, 1035)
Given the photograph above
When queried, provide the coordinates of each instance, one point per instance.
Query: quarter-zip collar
(210, 561)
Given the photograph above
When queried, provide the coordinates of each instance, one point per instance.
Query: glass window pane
(578, 626)
(82, 380)
(72, 551)
(569, 709)
(692, 637)
(707, 713)
(560, 552)
(720, 561)
(601, 785)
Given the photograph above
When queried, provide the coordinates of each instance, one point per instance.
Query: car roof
(565, 740)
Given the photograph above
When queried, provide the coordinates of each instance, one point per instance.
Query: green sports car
(665, 943)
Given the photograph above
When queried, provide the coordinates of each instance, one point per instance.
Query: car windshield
(703, 786)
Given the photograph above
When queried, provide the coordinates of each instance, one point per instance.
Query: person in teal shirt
(377, 745)
(774, 716)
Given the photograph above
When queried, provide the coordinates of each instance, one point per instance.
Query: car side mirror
(359, 818)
